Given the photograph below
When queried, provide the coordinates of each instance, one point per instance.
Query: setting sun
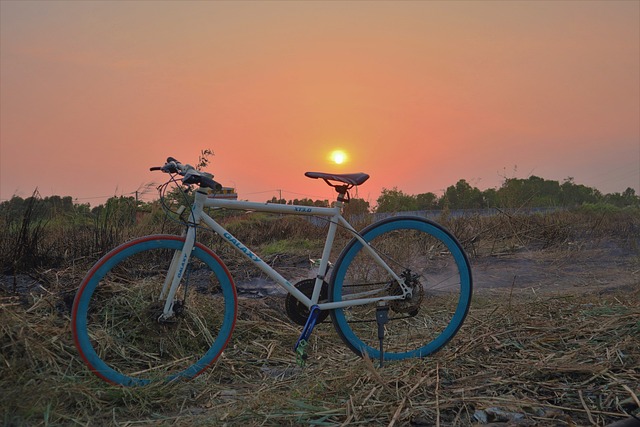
(338, 157)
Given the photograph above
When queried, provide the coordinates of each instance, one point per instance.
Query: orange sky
(420, 94)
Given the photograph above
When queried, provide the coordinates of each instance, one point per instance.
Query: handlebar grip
(170, 167)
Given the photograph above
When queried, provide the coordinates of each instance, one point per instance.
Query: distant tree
(490, 197)
(627, 198)
(572, 194)
(533, 191)
(13, 207)
(83, 209)
(542, 192)
(630, 197)
(56, 205)
(395, 200)
(462, 196)
(356, 207)
(301, 202)
(510, 194)
(274, 199)
(426, 201)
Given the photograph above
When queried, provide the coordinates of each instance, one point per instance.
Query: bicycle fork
(178, 266)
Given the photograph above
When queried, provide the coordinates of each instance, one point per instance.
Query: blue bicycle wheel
(431, 262)
(115, 316)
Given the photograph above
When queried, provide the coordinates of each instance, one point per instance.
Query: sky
(417, 94)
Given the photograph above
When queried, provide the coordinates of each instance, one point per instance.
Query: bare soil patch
(584, 266)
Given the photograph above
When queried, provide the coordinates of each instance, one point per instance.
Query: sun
(338, 157)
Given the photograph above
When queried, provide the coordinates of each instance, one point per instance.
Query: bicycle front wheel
(431, 262)
(116, 311)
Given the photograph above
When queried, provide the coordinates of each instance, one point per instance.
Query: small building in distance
(224, 193)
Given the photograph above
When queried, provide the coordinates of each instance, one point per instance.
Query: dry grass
(538, 359)
(524, 356)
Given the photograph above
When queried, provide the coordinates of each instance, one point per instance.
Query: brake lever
(170, 167)
(191, 178)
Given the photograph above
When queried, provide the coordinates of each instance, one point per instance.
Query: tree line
(513, 193)
(61, 208)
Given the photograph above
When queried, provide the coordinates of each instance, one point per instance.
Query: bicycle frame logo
(182, 264)
(253, 257)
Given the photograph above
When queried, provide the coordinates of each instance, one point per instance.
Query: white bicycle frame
(197, 215)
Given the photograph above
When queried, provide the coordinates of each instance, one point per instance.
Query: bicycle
(163, 307)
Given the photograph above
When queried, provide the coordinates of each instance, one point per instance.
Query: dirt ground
(600, 265)
(576, 267)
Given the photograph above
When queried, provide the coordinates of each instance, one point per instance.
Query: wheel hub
(411, 304)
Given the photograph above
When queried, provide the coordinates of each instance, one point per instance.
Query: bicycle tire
(441, 296)
(115, 313)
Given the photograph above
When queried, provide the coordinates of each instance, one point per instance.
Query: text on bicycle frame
(253, 257)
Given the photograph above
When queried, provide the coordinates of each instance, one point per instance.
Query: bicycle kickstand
(303, 341)
(382, 318)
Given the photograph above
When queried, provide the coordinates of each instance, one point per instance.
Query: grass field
(551, 339)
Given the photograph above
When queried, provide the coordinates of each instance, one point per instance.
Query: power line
(621, 175)
(280, 191)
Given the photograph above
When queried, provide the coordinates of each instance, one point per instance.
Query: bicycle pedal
(301, 353)
(303, 341)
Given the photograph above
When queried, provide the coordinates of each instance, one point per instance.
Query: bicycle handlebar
(191, 175)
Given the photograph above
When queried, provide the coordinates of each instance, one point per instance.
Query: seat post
(343, 193)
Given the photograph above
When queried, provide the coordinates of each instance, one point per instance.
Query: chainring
(297, 311)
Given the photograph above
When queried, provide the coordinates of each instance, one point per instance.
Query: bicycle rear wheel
(115, 317)
(433, 264)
